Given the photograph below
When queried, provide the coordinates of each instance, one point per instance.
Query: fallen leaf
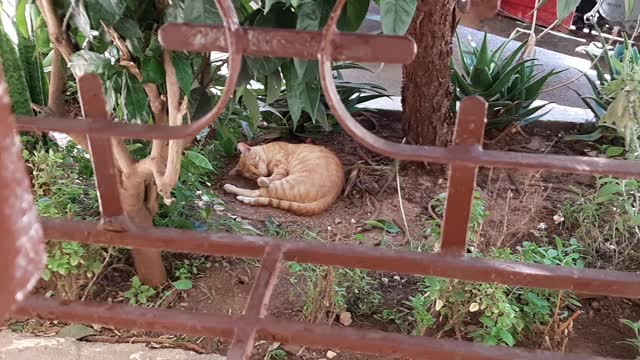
(76, 331)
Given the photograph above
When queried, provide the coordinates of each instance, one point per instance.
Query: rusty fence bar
(21, 254)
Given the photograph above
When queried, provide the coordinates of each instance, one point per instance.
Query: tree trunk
(139, 198)
(426, 86)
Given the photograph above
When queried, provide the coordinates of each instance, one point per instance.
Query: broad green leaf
(76, 331)
(634, 220)
(198, 160)
(506, 337)
(136, 101)
(251, 103)
(564, 8)
(274, 86)
(294, 91)
(131, 32)
(183, 284)
(309, 15)
(152, 70)
(397, 15)
(183, 72)
(614, 151)
(107, 11)
(353, 15)
(386, 225)
(203, 12)
(261, 66)
(85, 62)
(606, 191)
(21, 19)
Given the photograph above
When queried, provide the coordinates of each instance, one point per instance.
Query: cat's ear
(243, 148)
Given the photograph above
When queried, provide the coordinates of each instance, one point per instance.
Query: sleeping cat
(301, 178)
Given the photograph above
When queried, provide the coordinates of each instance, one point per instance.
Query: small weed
(139, 293)
(489, 313)
(186, 270)
(479, 213)
(635, 326)
(275, 229)
(277, 354)
(607, 220)
(63, 186)
(356, 291)
(349, 289)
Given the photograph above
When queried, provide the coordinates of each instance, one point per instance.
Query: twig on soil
(97, 274)
(372, 119)
(433, 213)
(400, 202)
(146, 340)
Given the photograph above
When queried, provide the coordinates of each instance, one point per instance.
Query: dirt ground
(518, 202)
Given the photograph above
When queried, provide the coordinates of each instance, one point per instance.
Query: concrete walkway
(19, 347)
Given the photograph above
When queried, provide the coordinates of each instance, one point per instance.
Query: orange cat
(301, 178)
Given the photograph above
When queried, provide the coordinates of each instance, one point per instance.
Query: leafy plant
(139, 293)
(478, 214)
(351, 289)
(508, 83)
(607, 220)
(488, 313)
(635, 326)
(615, 102)
(277, 354)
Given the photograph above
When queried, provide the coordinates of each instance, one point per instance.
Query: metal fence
(22, 250)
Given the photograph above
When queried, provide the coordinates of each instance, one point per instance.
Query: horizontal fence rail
(22, 252)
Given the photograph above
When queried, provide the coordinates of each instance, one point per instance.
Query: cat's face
(252, 164)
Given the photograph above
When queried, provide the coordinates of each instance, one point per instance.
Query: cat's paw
(230, 188)
(245, 199)
(264, 182)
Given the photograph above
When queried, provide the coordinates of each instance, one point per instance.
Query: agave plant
(509, 83)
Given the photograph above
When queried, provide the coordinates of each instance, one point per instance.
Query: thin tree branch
(57, 34)
(167, 178)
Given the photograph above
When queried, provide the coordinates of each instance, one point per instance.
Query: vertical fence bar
(94, 108)
(22, 253)
(257, 305)
(468, 136)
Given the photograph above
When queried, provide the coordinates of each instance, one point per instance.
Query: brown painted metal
(94, 109)
(291, 44)
(462, 182)
(286, 332)
(588, 281)
(464, 157)
(22, 253)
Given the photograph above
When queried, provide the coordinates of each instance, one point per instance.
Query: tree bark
(426, 86)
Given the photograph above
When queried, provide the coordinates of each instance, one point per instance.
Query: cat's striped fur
(301, 178)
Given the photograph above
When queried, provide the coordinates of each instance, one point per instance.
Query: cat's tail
(297, 208)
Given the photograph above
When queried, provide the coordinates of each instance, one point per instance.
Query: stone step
(21, 347)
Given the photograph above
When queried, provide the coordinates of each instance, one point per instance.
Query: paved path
(20, 347)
